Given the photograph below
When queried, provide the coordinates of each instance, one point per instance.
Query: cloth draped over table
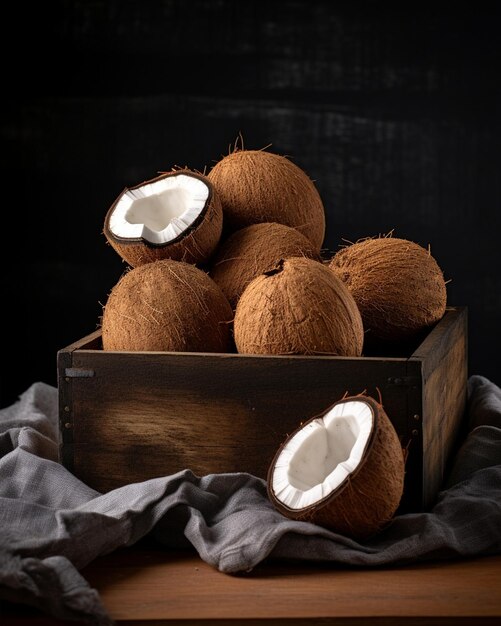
(52, 525)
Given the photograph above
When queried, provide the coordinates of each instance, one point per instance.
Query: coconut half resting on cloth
(343, 470)
(176, 215)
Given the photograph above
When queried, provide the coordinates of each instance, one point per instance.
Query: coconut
(299, 307)
(397, 285)
(167, 306)
(176, 215)
(343, 470)
(258, 186)
(253, 250)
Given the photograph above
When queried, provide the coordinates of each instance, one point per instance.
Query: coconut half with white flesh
(176, 215)
(343, 470)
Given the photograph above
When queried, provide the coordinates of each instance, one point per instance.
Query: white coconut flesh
(319, 457)
(160, 211)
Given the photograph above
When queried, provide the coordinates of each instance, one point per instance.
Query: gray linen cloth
(52, 525)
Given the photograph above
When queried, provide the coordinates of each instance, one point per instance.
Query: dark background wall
(394, 111)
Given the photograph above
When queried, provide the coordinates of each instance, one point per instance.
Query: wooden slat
(92, 341)
(413, 441)
(434, 347)
(211, 412)
(65, 399)
(139, 415)
(445, 369)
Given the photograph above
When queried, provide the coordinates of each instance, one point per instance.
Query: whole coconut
(249, 252)
(167, 306)
(257, 186)
(300, 307)
(397, 285)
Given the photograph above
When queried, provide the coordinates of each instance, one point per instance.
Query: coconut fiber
(299, 307)
(397, 285)
(259, 186)
(53, 524)
(168, 306)
(249, 252)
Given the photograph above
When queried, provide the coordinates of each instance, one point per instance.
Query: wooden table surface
(153, 587)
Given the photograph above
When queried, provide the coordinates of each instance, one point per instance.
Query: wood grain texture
(444, 358)
(145, 415)
(306, 591)
(147, 586)
(138, 415)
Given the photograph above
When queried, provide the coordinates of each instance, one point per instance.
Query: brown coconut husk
(194, 245)
(300, 307)
(397, 285)
(367, 500)
(253, 250)
(258, 186)
(167, 306)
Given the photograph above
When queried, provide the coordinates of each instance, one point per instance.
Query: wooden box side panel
(444, 359)
(141, 415)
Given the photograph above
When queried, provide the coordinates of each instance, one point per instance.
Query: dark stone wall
(394, 111)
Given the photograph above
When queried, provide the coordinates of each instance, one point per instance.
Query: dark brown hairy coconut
(397, 285)
(165, 221)
(328, 473)
(258, 186)
(253, 250)
(167, 306)
(300, 307)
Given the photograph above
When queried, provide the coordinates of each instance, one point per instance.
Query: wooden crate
(129, 416)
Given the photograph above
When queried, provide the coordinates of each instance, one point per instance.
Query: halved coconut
(343, 470)
(176, 215)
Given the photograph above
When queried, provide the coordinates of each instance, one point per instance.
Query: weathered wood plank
(209, 413)
(435, 345)
(445, 369)
(139, 415)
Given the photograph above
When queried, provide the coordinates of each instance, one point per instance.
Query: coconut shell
(397, 285)
(364, 503)
(300, 307)
(253, 250)
(257, 186)
(167, 306)
(194, 245)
